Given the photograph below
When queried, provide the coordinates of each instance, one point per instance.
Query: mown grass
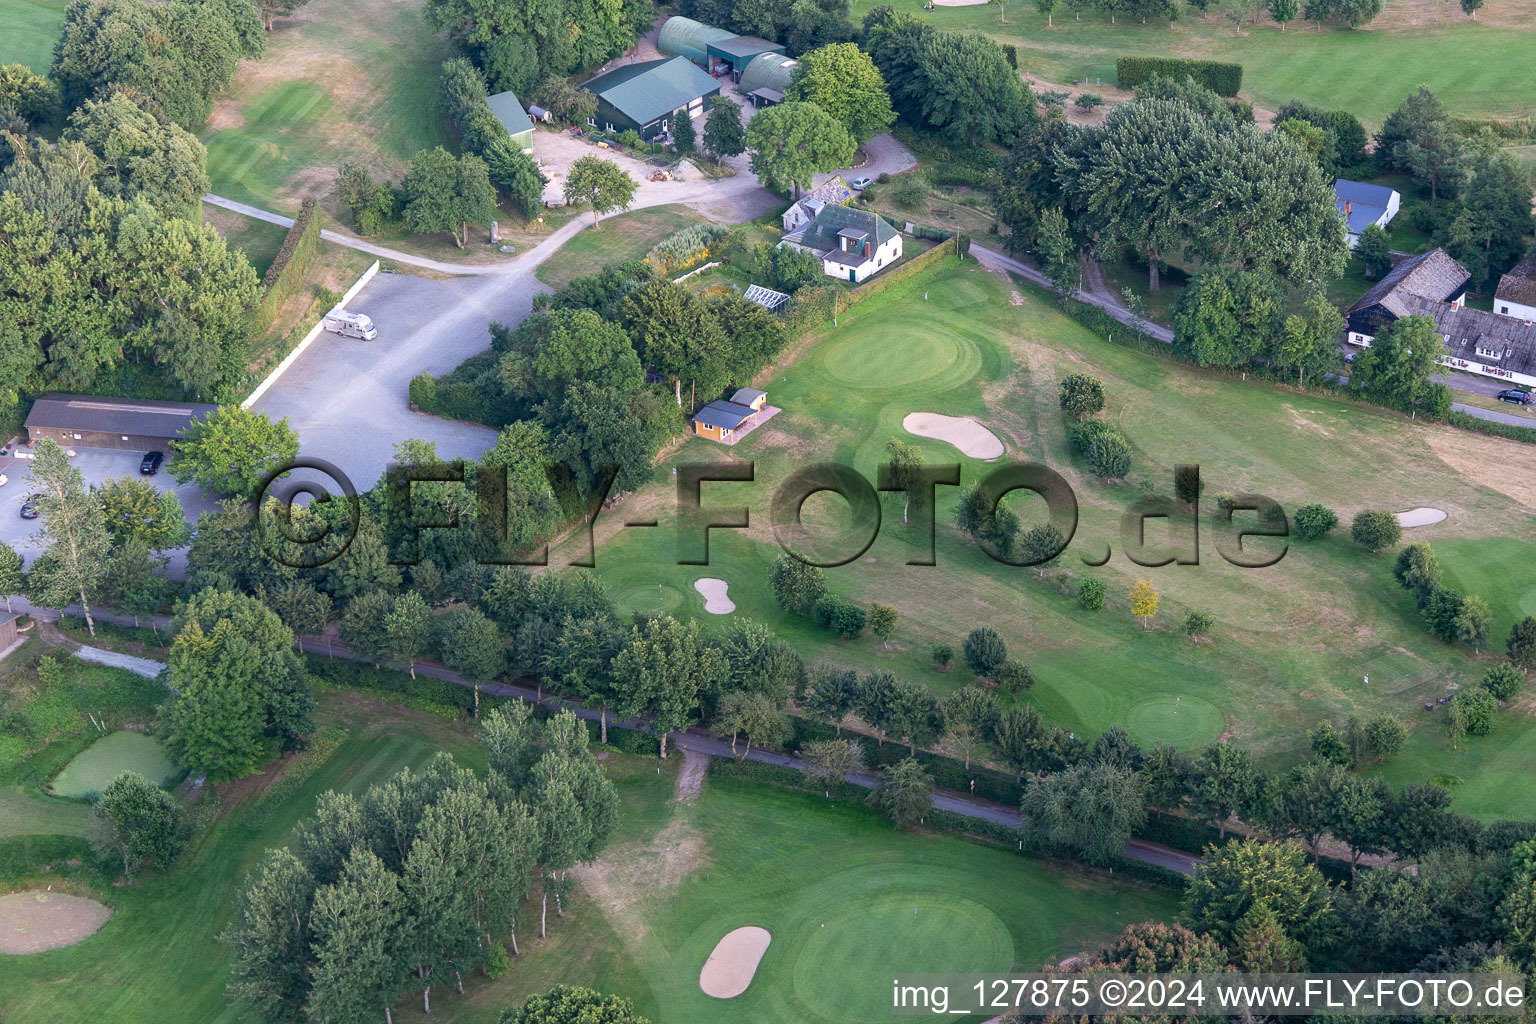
(1473, 66)
(617, 238)
(31, 30)
(1292, 642)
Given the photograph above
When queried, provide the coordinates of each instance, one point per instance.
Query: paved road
(1495, 417)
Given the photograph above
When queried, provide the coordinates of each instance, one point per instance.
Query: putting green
(1179, 719)
(900, 930)
(101, 762)
(648, 599)
(905, 354)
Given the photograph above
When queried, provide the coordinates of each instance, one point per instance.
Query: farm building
(714, 49)
(832, 192)
(851, 244)
(720, 421)
(516, 120)
(1516, 294)
(765, 79)
(1435, 285)
(127, 423)
(648, 96)
(1362, 205)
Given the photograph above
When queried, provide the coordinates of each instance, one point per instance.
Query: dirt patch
(729, 969)
(691, 779)
(33, 922)
(310, 183)
(1302, 423)
(1015, 298)
(1504, 466)
(622, 877)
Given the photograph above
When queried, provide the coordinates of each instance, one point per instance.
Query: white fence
(308, 339)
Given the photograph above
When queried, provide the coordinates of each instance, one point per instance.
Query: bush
(628, 138)
(1503, 681)
(908, 190)
(1103, 447)
(1088, 100)
(1013, 677)
(942, 655)
(1052, 98)
(984, 650)
(1374, 529)
(1090, 594)
(1221, 78)
(684, 249)
(1313, 522)
(1198, 624)
(1476, 709)
(844, 618)
(1082, 395)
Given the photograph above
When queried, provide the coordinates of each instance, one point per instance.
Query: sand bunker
(729, 969)
(715, 601)
(964, 433)
(31, 922)
(1420, 517)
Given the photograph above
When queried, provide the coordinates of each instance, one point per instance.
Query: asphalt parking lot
(97, 465)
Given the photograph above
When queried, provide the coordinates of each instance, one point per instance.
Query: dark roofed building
(649, 95)
(1516, 294)
(851, 244)
(1362, 204)
(1433, 275)
(752, 398)
(731, 56)
(128, 423)
(721, 420)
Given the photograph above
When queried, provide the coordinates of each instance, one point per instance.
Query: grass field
(1293, 642)
(25, 814)
(340, 81)
(1473, 66)
(108, 757)
(31, 30)
(621, 237)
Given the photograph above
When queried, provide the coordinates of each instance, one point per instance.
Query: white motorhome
(350, 325)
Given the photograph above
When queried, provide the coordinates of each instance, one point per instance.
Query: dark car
(151, 464)
(29, 509)
(1516, 395)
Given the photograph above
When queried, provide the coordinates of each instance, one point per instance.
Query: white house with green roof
(650, 95)
(851, 244)
(516, 120)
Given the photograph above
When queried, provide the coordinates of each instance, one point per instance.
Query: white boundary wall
(308, 339)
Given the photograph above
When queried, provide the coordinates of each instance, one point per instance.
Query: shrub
(1088, 100)
(1082, 395)
(1052, 98)
(1198, 624)
(1013, 677)
(908, 190)
(1503, 681)
(844, 618)
(1090, 594)
(1384, 736)
(684, 249)
(942, 655)
(1314, 521)
(1103, 447)
(1374, 529)
(628, 138)
(984, 650)
(1221, 78)
(1476, 710)
(1187, 484)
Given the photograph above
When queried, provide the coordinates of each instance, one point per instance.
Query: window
(592, 121)
(1504, 310)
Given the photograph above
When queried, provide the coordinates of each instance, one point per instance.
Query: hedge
(286, 274)
(1457, 418)
(1221, 78)
(912, 267)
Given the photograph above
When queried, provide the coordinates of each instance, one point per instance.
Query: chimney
(1348, 206)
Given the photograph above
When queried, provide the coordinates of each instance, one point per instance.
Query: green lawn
(1471, 65)
(625, 236)
(26, 814)
(1292, 643)
(31, 30)
(340, 81)
(110, 756)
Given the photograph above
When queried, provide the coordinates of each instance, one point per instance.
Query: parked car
(1516, 395)
(350, 325)
(151, 464)
(860, 184)
(29, 507)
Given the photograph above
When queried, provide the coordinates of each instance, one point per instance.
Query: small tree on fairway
(905, 467)
(905, 792)
(138, 822)
(684, 136)
(1476, 710)
(942, 655)
(1503, 681)
(882, 622)
(984, 650)
(1521, 646)
(1041, 545)
(1198, 624)
(1090, 594)
(1284, 11)
(1144, 601)
(1013, 677)
(969, 715)
(828, 761)
(1314, 522)
(796, 586)
(601, 184)
(566, 1004)
(1384, 736)
(1374, 251)
(1374, 529)
(1474, 622)
(724, 134)
(1045, 7)
(12, 578)
(1471, 7)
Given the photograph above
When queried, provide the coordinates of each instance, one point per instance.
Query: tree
(969, 716)
(1308, 342)
(882, 622)
(1013, 677)
(1374, 251)
(1374, 529)
(906, 469)
(1419, 138)
(32, 97)
(270, 9)
(961, 85)
(138, 822)
(601, 184)
(515, 175)
(1103, 447)
(1144, 601)
(724, 134)
(75, 531)
(1474, 622)
(1090, 594)
(134, 580)
(1284, 11)
(684, 136)
(1227, 317)
(1504, 681)
(1314, 522)
(667, 666)
(984, 650)
(1041, 545)
(232, 451)
(1475, 711)
(795, 585)
(1471, 7)
(1092, 809)
(829, 761)
(141, 156)
(1521, 646)
(271, 936)
(1226, 781)
(753, 715)
(1489, 231)
(942, 655)
(473, 647)
(905, 792)
(1056, 251)
(1082, 395)
(135, 508)
(1045, 7)
(566, 1004)
(407, 629)
(792, 141)
(843, 81)
(358, 925)
(831, 695)
(1198, 624)
(12, 578)
(1243, 874)
(1384, 736)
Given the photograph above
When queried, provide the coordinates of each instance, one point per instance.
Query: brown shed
(83, 421)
